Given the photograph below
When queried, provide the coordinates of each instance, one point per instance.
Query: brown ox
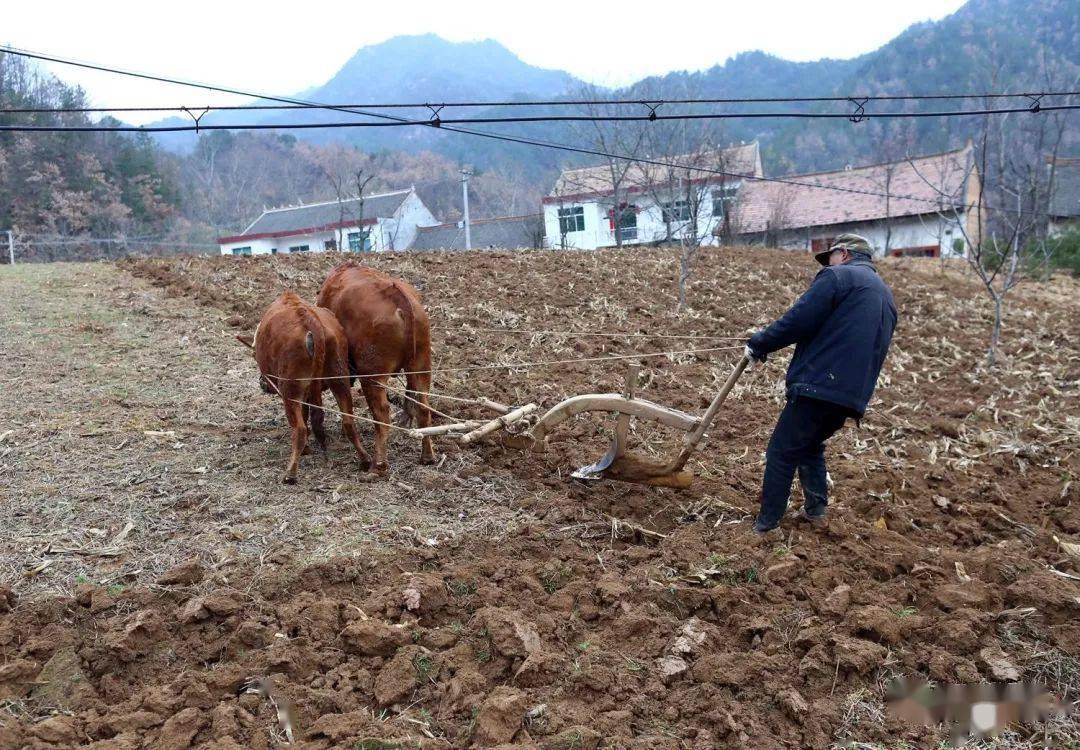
(302, 350)
(388, 332)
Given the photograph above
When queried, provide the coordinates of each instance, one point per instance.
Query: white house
(654, 203)
(384, 221)
(931, 199)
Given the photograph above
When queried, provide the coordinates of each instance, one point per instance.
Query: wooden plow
(617, 463)
(469, 431)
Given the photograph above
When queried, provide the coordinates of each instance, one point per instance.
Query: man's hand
(754, 357)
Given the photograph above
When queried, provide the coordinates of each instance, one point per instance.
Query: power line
(1034, 97)
(438, 122)
(507, 138)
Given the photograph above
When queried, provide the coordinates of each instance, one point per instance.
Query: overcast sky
(282, 49)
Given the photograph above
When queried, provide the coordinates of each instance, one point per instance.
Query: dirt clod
(373, 638)
(184, 574)
(500, 717)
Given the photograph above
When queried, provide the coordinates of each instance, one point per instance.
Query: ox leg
(318, 418)
(343, 394)
(295, 414)
(307, 420)
(418, 386)
(375, 393)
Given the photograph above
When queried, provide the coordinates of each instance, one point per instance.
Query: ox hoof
(427, 460)
(307, 450)
(288, 479)
(381, 467)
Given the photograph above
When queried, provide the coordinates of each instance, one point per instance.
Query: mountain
(986, 45)
(421, 68)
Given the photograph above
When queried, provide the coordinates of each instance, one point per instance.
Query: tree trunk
(995, 334)
(684, 275)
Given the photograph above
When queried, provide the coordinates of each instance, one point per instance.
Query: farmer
(841, 328)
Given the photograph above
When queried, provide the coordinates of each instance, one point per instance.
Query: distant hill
(986, 45)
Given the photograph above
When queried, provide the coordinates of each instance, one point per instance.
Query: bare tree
(1007, 243)
(892, 144)
(622, 138)
(342, 185)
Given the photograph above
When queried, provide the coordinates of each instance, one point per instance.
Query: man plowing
(841, 328)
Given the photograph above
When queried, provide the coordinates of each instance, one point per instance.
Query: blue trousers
(798, 444)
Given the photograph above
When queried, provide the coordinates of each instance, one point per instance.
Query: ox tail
(404, 306)
(315, 339)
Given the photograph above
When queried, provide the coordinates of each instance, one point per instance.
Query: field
(159, 586)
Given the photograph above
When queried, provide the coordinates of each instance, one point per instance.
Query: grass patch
(459, 587)
(424, 666)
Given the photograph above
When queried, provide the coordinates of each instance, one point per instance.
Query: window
(299, 248)
(675, 211)
(242, 250)
(273, 251)
(329, 245)
(359, 242)
(571, 219)
(627, 223)
(722, 198)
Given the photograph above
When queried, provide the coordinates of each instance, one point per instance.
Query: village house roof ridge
(848, 169)
(741, 161)
(334, 201)
(508, 232)
(319, 217)
(473, 222)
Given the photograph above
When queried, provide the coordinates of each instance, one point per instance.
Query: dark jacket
(841, 328)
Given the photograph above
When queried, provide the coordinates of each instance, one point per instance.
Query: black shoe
(761, 528)
(814, 519)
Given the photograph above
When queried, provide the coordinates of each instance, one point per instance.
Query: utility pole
(465, 175)
(11, 246)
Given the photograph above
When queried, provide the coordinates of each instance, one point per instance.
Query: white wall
(910, 231)
(281, 244)
(650, 224)
(401, 230)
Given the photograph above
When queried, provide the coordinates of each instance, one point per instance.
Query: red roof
(920, 185)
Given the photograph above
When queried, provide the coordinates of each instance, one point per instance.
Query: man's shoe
(814, 519)
(761, 528)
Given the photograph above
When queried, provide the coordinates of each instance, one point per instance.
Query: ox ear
(249, 343)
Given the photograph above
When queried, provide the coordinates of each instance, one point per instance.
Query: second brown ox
(388, 333)
(302, 350)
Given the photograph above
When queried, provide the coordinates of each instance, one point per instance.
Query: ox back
(388, 332)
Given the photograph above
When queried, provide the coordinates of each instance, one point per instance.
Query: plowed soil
(162, 589)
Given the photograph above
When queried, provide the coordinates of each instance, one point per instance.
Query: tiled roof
(596, 181)
(1065, 193)
(509, 232)
(913, 184)
(283, 222)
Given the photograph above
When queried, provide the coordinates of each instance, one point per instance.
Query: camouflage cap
(853, 243)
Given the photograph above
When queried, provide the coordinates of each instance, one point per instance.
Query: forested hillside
(192, 187)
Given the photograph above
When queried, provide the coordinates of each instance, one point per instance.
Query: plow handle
(706, 419)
